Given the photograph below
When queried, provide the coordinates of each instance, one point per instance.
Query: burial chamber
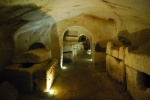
(120, 28)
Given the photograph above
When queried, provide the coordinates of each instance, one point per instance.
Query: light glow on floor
(51, 92)
(63, 67)
(88, 52)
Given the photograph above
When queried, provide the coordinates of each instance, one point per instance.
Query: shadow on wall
(135, 40)
(98, 48)
(131, 40)
(8, 26)
(23, 25)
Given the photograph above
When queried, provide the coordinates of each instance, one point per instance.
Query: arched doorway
(84, 48)
(77, 44)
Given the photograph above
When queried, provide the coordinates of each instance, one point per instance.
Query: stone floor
(83, 80)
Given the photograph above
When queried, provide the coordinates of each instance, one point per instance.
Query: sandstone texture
(115, 51)
(44, 77)
(24, 22)
(139, 59)
(115, 68)
(108, 48)
(22, 77)
(33, 56)
(123, 22)
(122, 52)
(134, 85)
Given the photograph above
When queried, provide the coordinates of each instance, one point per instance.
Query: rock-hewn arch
(80, 29)
(104, 32)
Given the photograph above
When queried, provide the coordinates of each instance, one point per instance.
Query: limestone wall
(116, 68)
(126, 24)
(33, 21)
(139, 58)
(130, 65)
(22, 27)
(98, 34)
(138, 71)
(137, 84)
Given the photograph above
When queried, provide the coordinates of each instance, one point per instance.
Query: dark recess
(36, 45)
(27, 65)
(143, 80)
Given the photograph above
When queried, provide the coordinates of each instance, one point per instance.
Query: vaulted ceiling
(28, 21)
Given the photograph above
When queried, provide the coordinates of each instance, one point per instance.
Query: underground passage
(74, 50)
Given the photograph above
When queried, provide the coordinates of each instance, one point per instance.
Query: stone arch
(87, 32)
(106, 31)
(83, 30)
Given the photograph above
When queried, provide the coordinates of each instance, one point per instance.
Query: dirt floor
(83, 80)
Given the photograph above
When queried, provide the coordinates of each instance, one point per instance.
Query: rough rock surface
(8, 91)
(139, 59)
(33, 56)
(134, 86)
(122, 52)
(108, 48)
(115, 51)
(83, 80)
(44, 77)
(24, 22)
(115, 68)
(22, 77)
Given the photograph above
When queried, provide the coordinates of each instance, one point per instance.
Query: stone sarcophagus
(32, 76)
(115, 62)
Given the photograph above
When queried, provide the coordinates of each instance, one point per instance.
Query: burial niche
(143, 80)
(36, 45)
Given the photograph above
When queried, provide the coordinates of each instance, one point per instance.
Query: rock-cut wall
(130, 66)
(21, 27)
(23, 2)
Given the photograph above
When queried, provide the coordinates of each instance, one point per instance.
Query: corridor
(83, 80)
